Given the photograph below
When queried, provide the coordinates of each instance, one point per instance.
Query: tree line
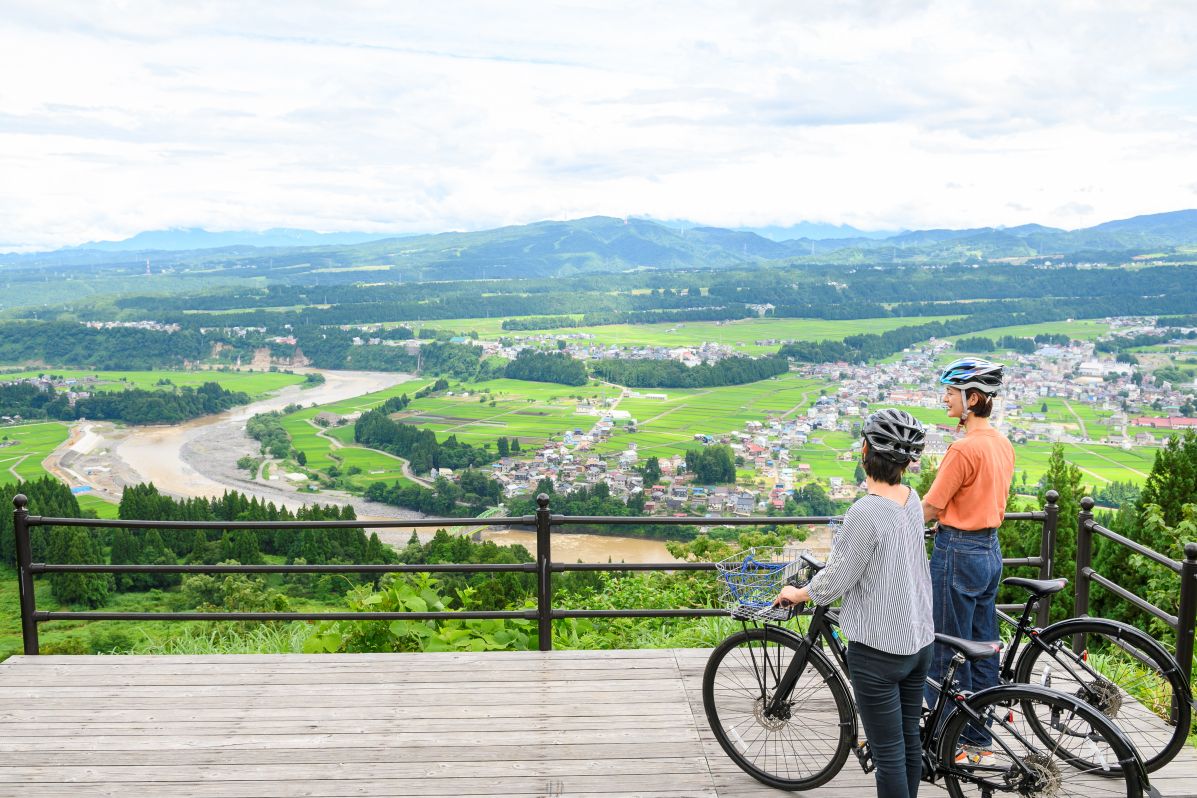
(131, 406)
(735, 370)
(537, 366)
(419, 447)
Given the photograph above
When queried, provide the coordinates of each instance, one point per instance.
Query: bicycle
(1119, 669)
(783, 713)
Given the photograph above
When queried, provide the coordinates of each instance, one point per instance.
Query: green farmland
(530, 411)
(1077, 329)
(22, 460)
(741, 334)
(325, 447)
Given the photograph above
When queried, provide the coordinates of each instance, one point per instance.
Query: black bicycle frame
(820, 630)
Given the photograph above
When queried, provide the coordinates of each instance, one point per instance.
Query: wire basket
(750, 580)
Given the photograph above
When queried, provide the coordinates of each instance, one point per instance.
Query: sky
(122, 117)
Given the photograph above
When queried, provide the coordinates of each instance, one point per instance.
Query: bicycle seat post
(933, 720)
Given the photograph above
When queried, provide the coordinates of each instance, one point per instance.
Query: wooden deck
(565, 723)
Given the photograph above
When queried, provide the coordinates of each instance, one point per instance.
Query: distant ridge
(605, 244)
(182, 239)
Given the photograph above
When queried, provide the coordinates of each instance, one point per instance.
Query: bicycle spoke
(1120, 676)
(797, 744)
(1040, 746)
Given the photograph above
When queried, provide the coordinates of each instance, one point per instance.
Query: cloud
(465, 115)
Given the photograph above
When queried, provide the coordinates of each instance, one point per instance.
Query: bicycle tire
(1023, 763)
(1114, 686)
(799, 752)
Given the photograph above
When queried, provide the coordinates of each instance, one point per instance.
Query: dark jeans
(966, 569)
(889, 696)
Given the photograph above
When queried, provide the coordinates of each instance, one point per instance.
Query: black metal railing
(1182, 623)
(543, 522)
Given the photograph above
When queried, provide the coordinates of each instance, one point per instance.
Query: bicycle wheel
(1085, 756)
(802, 747)
(1124, 674)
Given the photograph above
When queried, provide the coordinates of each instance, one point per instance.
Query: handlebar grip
(812, 562)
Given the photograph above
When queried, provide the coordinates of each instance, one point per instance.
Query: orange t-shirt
(973, 481)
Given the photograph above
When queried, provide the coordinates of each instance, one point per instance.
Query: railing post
(20, 528)
(1186, 615)
(1084, 561)
(544, 573)
(1047, 549)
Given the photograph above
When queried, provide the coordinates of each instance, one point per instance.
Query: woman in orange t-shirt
(968, 499)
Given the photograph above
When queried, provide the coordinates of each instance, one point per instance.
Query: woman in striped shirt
(878, 566)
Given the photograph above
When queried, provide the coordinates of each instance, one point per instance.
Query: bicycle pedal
(864, 755)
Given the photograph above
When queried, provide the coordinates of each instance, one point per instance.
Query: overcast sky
(119, 117)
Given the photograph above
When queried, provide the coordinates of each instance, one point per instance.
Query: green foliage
(712, 465)
(473, 495)
(132, 405)
(672, 374)
(267, 429)
(78, 545)
(230, 593)
(811, 499)
(73, 344)
(558, 367)
(47, 497)
(419, 593)
(651, 471)
(420, 447)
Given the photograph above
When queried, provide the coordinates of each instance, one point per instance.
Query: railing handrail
(1185, 619)
(543, 567)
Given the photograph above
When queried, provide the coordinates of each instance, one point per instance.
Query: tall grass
(215, 638)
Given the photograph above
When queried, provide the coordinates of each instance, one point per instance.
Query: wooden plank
(549, 766)
(578, 723)
(348, 752)
(366, 712)
(669, 784)
(461, 737)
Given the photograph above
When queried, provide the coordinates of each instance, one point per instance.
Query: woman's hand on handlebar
(790, 596)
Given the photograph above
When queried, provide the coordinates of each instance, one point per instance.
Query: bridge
(527, 723)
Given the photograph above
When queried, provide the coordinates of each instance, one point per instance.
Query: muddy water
(587, 548)
(155, 453)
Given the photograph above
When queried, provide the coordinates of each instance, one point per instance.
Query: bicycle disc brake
(767, 721)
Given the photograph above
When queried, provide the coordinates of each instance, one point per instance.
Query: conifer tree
(125, 551)
(87, 590)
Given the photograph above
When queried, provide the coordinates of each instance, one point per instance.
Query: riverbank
(198, 458)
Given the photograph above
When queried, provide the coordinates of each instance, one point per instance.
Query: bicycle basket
(750, 580)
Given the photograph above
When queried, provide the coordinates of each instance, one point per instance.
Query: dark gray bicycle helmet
(973, 373)
(895, 435)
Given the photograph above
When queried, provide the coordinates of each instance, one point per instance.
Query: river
(198, 459)
(572, 547)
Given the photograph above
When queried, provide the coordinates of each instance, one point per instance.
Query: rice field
(741, 334)
(533, 412)
(325, 447)
(26, 445)
(1100, 463)
(1078, 329)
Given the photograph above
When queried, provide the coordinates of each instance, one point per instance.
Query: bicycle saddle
(1040, 587)
(970, 649)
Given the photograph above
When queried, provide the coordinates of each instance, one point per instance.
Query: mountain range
(605, 244)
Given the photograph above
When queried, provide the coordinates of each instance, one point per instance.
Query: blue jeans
(889, 696)
(966, 569)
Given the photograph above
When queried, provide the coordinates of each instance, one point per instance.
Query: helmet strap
(965, 408)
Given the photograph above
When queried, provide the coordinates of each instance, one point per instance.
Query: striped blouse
(878, 565)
